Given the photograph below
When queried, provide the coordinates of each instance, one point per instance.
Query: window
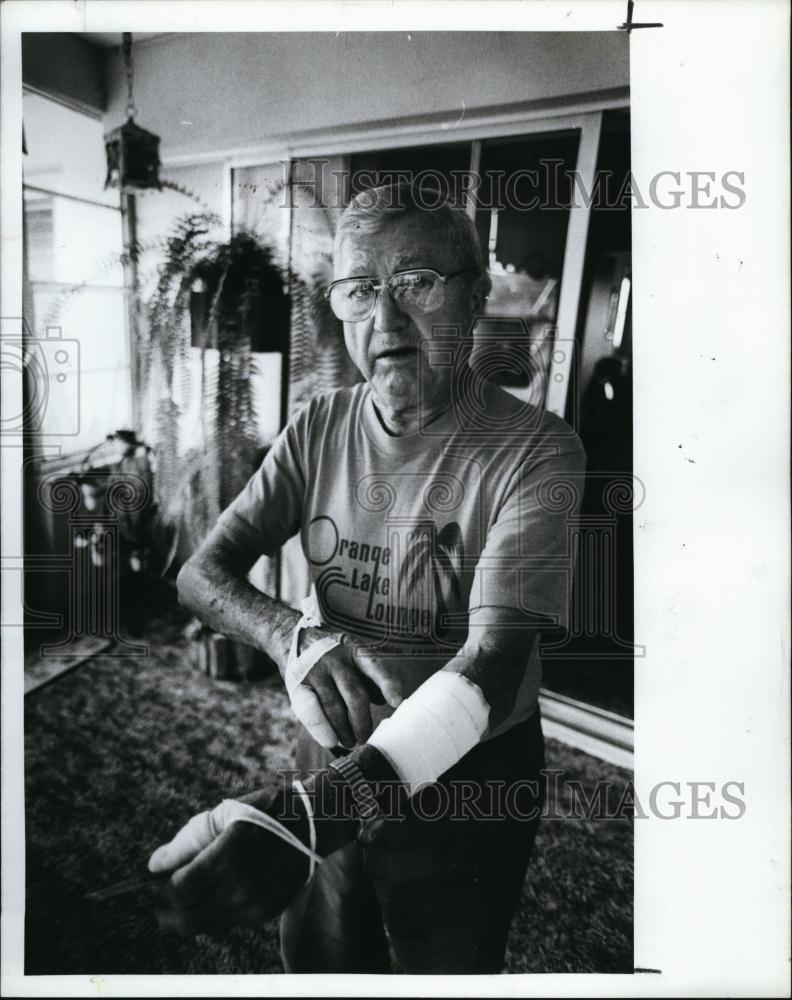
(76, 309)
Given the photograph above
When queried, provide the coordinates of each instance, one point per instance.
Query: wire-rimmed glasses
(418, 290)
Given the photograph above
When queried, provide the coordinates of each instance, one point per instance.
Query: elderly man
(427, 502)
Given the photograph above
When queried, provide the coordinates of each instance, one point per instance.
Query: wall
(205, 92)
(65, 66)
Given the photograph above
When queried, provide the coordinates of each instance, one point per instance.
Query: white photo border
(709, 93)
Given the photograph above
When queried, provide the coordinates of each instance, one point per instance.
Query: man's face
(388, 347)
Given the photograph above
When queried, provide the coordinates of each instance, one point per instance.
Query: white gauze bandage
(203, 829)
(304, 702)
(433, 728)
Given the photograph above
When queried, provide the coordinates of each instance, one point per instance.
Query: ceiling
(112, 39)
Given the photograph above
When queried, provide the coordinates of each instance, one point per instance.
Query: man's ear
(479, 291)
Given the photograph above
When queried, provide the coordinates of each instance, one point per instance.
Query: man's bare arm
(495, 658)
(213, 585)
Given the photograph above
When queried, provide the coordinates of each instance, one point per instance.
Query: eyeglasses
(419, 291)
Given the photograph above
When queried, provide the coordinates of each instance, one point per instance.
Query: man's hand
(225, 872)
(239, 875)
(244, 877)
(334, 699)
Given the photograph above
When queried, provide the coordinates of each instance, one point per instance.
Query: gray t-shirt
(412, 540)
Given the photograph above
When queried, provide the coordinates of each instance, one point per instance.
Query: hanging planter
(228, 301)
(132, 152)
(238, 300)
(132, 157)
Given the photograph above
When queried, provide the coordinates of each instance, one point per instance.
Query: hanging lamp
(132, 152)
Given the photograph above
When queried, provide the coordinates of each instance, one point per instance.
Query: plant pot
(225, 659)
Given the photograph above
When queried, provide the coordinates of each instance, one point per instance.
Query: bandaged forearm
(433, 729)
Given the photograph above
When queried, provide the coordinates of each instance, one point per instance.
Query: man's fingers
(309, 711)
(377, 672)
(375, 696)
(333, 706)
(241, 877)
(354, 693)
(215, 877)
(342, 684)
(193, 837)
(195, 883)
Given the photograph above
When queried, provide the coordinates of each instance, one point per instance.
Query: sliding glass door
(556, 324)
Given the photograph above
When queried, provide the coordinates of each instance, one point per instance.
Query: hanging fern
(223, 298)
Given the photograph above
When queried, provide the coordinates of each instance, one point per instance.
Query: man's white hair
(372, 210)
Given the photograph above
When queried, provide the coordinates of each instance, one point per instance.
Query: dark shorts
(443, 882)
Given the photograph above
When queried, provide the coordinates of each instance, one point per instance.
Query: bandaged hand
(332, 680)
(237, 864)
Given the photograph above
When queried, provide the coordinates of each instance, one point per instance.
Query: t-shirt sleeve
(268, 511)
(528, 559)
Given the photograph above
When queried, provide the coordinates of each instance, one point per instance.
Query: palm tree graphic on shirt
(431, 573)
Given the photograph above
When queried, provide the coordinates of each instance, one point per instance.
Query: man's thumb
(197, 834)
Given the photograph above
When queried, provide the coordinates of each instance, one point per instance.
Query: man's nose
(386, 315)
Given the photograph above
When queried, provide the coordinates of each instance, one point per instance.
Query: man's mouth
(398, 354)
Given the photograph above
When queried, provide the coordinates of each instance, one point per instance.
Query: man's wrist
(369, 792)
(311, 634)
(334, 812)
(375, 767)
(334, 820)
(277, 636)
